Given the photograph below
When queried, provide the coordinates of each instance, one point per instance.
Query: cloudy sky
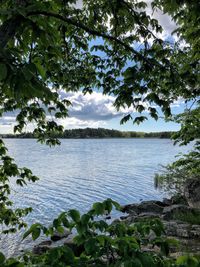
(97, 110)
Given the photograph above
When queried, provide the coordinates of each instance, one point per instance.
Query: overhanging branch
(8, 30)
(95, 33)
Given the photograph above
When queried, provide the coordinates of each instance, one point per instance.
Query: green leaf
(140, 119)
(36, 233)
(27, 233)
(98, 208)
(133, 263)
(85, 219)
(146, 260)
(187, 261)
(75, 215)
(117, 205)
(2, 258)
(125, 119)
(60, 229)
(3, 71)
(41, 70)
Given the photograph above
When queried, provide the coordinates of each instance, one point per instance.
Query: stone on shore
(58, 236)
(144, 207)
(174, 217)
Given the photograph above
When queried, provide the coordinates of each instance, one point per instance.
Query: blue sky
(97, 110)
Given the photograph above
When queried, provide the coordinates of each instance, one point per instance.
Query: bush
(103, 244)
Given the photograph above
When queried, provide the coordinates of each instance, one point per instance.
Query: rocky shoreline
(174, 216)
(174, 213)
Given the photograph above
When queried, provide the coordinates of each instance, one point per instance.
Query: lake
(82, 171)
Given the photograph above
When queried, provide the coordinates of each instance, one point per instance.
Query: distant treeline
(96, 133)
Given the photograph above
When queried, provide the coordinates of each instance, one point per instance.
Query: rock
(140, 217)
(182, 230)
(124, 217)
(170, 211)
(148, 215)
(58, 236)
(178, 199)
(167, 201)
(192, 192)
(45, 243)
(130, 208)
(145, 206)
(130, 219)
(40, 249)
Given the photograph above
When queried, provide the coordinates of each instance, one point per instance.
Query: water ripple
(80, 172)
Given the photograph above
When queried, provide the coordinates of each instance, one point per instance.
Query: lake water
(82, 171)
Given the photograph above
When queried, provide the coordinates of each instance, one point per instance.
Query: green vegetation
(192, 217)
(98, 243)
(96, 133)
(48, 46)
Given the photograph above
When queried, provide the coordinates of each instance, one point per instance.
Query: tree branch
(95, 33)
(9, 27)
(8, 30)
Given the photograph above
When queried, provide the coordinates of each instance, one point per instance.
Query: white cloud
(70, 123)
(90, 110)
(164, 20)
(95, 106)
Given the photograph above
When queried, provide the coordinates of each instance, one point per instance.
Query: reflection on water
(82, 171)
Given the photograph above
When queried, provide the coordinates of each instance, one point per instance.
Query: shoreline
(187, 234)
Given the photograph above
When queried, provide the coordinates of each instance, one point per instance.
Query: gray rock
(178, 199)
(40, 249)
(170, 211)
(182, 230)
(45, 243)
(58, 236)
(124, 217)
(148, 215)
(145, 206)
(131, 209)
(167, 201)
(192, 192)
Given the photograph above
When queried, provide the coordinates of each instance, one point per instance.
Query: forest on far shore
(96, 133)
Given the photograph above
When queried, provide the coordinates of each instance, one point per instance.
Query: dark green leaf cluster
(51, 45)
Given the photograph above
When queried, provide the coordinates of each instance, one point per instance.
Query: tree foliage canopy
(49, 45)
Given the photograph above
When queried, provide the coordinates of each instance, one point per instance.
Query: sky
(97, 110)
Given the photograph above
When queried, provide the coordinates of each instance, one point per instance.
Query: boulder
(170, 211)
(144, 207)
(182, 230)
(178, 199)
(45, 243)
(42, 247)
(192, 192)
(58, 236)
